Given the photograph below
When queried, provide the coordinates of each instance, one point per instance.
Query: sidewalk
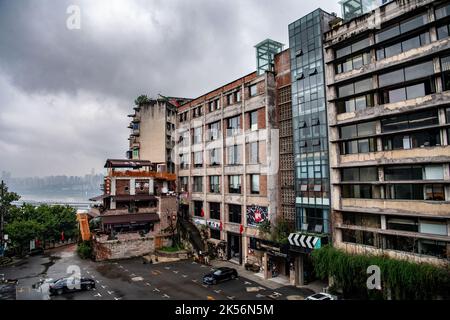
(275, 283)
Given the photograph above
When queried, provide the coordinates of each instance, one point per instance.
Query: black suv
(220, 274)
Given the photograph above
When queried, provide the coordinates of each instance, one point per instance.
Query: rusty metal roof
(119, 163)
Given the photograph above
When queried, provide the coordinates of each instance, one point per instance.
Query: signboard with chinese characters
(256, 215)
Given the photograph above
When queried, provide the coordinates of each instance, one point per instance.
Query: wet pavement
(133, 280)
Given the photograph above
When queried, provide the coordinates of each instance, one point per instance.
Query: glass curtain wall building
(310, 122)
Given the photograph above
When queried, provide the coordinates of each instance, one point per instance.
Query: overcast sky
(65, 94)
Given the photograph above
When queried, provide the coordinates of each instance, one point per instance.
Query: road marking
(88, 271)
(252, 289)
(206, 286)
(115, 263)
(194, 280)
(166, 296)
(115, 298)
(126, 270)
(98, 281)
(260, 295)
(103, 286)
(137, 279)
(156, 289)
(193, 262)
(121, 267)
(97, 295)
(210, 298)
(175, 271)
(230, 297)
(246, 282)
(167, 268)
(156, 272)
(184, 276)
(132, 275)
(110, 292)
(202, 266)
(217, 291)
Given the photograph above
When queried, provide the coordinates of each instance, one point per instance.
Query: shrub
(85, 250)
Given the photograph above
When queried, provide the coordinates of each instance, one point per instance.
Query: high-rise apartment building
(388, 78)
(152, 134)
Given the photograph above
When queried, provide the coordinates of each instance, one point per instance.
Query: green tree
(21, 232)
(142, 99)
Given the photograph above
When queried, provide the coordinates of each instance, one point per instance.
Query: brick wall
(121, 185)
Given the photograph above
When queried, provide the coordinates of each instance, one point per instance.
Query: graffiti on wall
(256, 215)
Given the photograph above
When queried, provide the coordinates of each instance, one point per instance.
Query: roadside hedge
(399, 279)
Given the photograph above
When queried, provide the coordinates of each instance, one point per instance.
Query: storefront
(234, 247)
(273, 257)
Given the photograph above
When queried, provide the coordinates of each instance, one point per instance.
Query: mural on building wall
(256, 215)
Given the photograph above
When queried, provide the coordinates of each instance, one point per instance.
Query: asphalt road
(133, 280)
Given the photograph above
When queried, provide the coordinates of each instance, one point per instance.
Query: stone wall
(125, 248)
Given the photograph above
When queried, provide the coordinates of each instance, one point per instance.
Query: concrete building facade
(389, 117)
(228, 162)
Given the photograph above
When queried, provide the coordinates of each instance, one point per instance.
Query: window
(214, 210)
(184, 139)
(409, 73)
(355, 104)
(234, 184)
(215, 157)
(214, 105)
(198, 184)
(360, 174)
(443, 31)
(443, 11)
(184, 184)
(198, 209)
(214, 185)
(234, 213)
(428, 138)
(434, 192)
(214, 234)
(403, 46)
(361, 219)
(399, 173)
(253, 152)
(433, 248)
(198, 133)
(197, 112)
(361, 191)
(253, 120)
(252, 90)
(254, 183)
(233, 126)
(445, 67)
(135, 153)
(401, 243)
(214, 131)
(402, 27)
(360, 145)
(410, 121)
(433, 227)
(184, 161)
(402, 224)
(229, 99)
(359, 237)
(354, 47)
(354, 62)
(237, 96)
(234, 154)
(183, 116)
(415, 192)
(355, 87)
(198, 159)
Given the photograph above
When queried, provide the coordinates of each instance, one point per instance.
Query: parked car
(220, 274)
(321, 296)
(65, 285)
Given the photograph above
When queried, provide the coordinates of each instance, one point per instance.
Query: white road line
(184, 276)
(156, 289)
(87, 271)
(166, 296)
(110, 292)
(205, 285)
(167, 268)
(115, 298)
(98, 281)
(147, 284)
(193, 262)
(175, 271)
(230, 297)
(246, 282)
(103, 287)
(97, 295)
(194, 280)
(217, 291)
(121, 267)
(132, 275)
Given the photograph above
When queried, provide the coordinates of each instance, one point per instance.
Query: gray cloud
(65, 94)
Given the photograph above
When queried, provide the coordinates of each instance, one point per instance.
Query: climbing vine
(400, 279)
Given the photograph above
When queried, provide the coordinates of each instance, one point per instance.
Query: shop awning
(131, 218)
